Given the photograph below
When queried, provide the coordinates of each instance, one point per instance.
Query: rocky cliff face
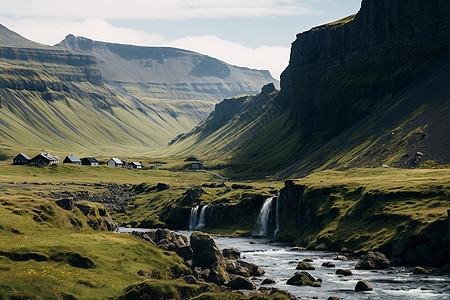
(341, 72)
(366, 90)
(169, 73)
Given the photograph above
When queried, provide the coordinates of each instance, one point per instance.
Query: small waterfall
(198, 221)
(263, 221)
(193, 219)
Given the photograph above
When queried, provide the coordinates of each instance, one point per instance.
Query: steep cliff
(367, 90)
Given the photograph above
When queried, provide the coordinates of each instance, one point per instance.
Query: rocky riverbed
(334, 275)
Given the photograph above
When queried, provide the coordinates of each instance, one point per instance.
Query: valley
(346, 156)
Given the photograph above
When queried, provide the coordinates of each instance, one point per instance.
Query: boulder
(268, 281)
(363, 286)
(344, 272)
(304, 266)
(231, 253)
(334, 298)
(420, 270)
(372, 261)
(206, 251)
(254, 269)
(341, 257)
(276, 291)
(298, 248)
(308, 260)
(328, 264)
(185, 252)
(241, 283)
(304, 278)
(218, 273)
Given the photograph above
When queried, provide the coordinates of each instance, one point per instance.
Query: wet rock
(255, 270)
(231, 253)
(268, 281)
(241, 283)
(304, 266)
(218, 273)
(233, 267)
(344, 272)
(363, 286)
(420, 270)
(308, 260)
(304, 278)
(334, 298)
(341, 257)
(328, 264)
(373, 260)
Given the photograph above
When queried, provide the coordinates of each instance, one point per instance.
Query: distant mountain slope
(153, 74)
(56, 99)
(367, 90)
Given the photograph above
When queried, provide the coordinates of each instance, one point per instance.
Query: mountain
(158, 75)
(54, 98)
(367, 90)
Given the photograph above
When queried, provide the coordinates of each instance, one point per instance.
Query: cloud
(50, 32)
(272, 58)
(155, 9)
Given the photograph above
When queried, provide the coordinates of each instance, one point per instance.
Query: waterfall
(197, 222)
(193, 219)
(263, 221)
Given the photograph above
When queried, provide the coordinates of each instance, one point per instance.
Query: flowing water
(198, 221)
(279, 263)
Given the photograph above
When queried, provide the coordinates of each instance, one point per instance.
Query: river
(279, 263)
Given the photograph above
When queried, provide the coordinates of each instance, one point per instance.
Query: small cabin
(89, 161)
(45, 159)
(72, 159)
(197, 165)
(135, 165)
(115, 162)
(21, 159)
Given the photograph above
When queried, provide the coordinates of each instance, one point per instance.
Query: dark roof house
(72, 159)
(136, 165)
(45, 159)
(89, 161)
(21, 159)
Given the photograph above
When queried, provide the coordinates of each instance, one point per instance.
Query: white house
(115, 162)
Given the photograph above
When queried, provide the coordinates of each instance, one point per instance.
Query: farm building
(114, 162)
(72, 159)
(21, 159)
(45, 159)
(89, 161)
(197, 165)
(136, 165)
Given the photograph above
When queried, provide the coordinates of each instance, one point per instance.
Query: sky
(249, 33)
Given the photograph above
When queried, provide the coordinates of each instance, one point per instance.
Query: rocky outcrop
(304, 266)
(241, 283)
(336, 66)
(373, 261)
(304, 278)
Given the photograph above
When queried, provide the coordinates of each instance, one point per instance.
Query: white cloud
(154, 9)
(272, 58)
(51, 32)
